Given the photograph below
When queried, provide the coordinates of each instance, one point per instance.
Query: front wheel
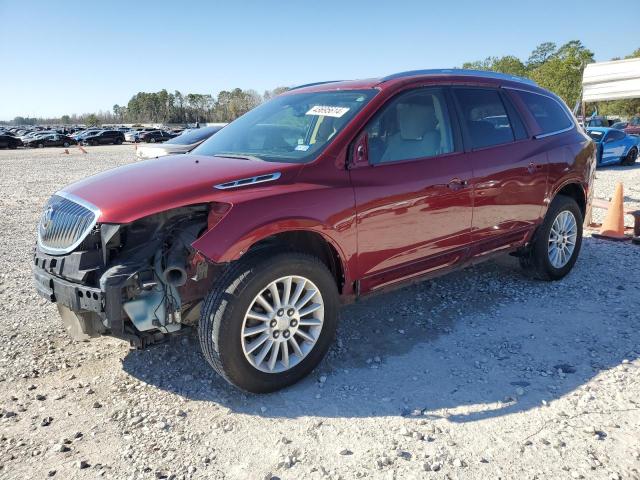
(556, 244)
(269, 320)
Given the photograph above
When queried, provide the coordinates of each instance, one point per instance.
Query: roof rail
(459, 71)
(314, 84)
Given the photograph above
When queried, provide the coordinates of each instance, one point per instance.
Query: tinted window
(414, 125)
(484, 117)
(615, 135)
(549, 114)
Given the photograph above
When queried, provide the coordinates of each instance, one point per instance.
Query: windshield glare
(290, 128)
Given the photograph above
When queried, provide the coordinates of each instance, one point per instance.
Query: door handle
(457, 184)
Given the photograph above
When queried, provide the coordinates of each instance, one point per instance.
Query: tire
(537, 258)
(65, 144)
(118, 142)
(630, 158)
(40, 145)
(223, 320)
(153, 140)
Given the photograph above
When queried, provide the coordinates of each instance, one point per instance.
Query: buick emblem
(47, 217)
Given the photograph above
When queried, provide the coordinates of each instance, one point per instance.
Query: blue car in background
(614, 146)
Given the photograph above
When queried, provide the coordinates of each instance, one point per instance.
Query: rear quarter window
(548, 113)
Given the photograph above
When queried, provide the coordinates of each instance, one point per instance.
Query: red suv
(326, 193)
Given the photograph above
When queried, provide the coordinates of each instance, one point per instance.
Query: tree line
(168, 108)
(557, 68)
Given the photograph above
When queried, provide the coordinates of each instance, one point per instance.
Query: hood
(133, 191)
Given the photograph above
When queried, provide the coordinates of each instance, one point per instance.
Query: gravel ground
(479, 374)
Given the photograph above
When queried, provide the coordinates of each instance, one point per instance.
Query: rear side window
(484, 117)
(615, 135)
(549, 114)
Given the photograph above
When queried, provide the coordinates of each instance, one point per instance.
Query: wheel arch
(573, 189)
(299, 235)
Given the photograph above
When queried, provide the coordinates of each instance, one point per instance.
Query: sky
(70, 57)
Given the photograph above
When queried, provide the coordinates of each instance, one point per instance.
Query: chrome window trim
(562, 107)
(267, 177)
(80, 201)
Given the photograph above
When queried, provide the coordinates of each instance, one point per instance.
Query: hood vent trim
(268, 177)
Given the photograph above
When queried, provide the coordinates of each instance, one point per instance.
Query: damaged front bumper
(87, 311)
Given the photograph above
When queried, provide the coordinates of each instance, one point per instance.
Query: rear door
(510, 174)
(412, 192)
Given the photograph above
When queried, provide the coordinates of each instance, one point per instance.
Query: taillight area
(217, 211)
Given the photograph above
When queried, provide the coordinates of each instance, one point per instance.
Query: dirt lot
(479, 374)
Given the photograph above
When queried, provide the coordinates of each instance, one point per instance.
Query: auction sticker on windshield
(328, 111)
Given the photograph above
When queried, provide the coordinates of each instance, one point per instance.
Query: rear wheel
(269, 320)
(40, 145)
(556, 244)
(630, 158)
(65, 144)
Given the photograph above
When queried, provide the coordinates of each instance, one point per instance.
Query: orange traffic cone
(613, 225)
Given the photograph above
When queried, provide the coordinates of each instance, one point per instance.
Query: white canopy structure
(613, 80)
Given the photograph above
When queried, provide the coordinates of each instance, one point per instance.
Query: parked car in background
(181, 144)
(133, 136)
(620, 125)
(9, 141)
(155, 136)
(633, 127)
(27, 137)
(355, 187)
(601, 121)
(103, 137)
(50, 140)
(615, 147)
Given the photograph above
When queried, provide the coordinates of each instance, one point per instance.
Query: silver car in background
(183, 143)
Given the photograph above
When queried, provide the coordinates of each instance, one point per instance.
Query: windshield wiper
(239, 155)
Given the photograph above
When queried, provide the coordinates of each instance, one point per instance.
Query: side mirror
(359, 156)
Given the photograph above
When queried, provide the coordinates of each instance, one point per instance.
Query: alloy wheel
(562, 239)
(283, 324)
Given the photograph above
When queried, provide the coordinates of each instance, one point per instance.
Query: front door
(412, 191)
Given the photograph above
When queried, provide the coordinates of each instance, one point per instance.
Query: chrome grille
(65, 222)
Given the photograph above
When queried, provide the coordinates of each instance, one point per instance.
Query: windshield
(194, 136)
(289, 128)
(596, 135)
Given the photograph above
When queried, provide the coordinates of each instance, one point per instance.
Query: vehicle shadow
(479, 343)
